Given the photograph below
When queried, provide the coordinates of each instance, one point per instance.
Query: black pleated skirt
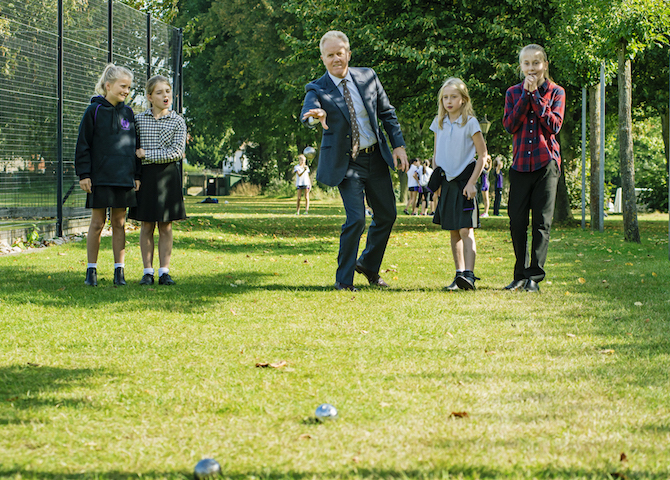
(104, 196)
(159, 198)
(453, 210)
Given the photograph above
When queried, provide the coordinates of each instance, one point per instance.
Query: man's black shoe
(516, 285)
(532, 286)
(373, 278)
(344, 286)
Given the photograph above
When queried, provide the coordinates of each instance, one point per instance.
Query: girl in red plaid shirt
(534, 111)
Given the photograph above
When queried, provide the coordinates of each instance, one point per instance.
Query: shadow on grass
(464, 472)
(31, 386)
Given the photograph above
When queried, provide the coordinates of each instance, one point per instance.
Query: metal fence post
(584, 158)
(59, 126)
(110, 31)
(148, 46)
(601, 195)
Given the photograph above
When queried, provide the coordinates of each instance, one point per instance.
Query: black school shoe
(147, 279)
(467, 280)
(119, 277)
(91, 277)
(165, 279)
(453, 286)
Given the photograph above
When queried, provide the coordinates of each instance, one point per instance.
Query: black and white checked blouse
(163, 139)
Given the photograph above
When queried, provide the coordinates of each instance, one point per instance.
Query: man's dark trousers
(367, 176)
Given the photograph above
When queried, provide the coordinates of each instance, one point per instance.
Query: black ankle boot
(467, 281)
(91, 277)
(118, 276)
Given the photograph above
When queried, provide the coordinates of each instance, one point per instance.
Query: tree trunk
(594, 149)
(402, 178)
(562, 211)
(631, 230)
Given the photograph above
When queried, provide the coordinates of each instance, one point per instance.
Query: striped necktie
(354, 124)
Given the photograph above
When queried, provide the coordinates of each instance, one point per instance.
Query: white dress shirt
(367, 136)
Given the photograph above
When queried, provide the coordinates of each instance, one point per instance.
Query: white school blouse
(454, 147)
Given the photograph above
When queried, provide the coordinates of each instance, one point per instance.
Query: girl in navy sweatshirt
(107, 167)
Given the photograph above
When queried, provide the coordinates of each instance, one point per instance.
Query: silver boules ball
(326, 412)
(207, 468)
(313, 121)
(309, 153)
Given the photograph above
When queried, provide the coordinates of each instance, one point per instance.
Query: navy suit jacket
(335, 151)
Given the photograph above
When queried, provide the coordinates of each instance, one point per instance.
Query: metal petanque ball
(309, 153)
(325, 412)
(206, 468)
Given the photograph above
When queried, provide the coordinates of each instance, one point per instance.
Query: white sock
(92, 265)
(163, 270)
(117, 265)
(148, 271)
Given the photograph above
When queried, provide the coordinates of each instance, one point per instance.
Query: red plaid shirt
(534, 119)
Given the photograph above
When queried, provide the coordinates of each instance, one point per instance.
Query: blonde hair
(466, 110)
(155, 80)
(334, 35)
(301, 157)
(537, 48)
(111, 74)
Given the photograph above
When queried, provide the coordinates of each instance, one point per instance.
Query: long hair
(155, 80)
(466, 110)
(537, 48)
(111, 74)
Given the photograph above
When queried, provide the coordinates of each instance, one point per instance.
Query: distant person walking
(534, 112)
(162, 134)
(497, 168)
(350, 103)
(302, 182)
(458, 138)
(485, 187)
(107, 167)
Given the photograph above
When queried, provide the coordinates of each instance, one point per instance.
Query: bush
(245, 189)
(279, 188)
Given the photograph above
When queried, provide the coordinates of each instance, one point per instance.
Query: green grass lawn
(140, 382)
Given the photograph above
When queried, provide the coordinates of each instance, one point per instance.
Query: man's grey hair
(334, 35)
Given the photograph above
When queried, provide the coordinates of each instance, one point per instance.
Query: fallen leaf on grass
(638, 304)
(629, 264)
(384, 404)
(30, 364)
(306, 436)
(13, 399)
(390, 270)
(608, 351)
(653, 274)
(490, 352)
(305, 261)
(571, 335)
(581, 280)
(450, 335)
(355, 460)
(364, 332)
(281, 364)
(459, 414)
(61, 289)
(233, 311)
(623, 457)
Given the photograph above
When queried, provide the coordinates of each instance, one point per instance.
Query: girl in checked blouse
(162, 139)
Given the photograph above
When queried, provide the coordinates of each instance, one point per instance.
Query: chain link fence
(51, 56)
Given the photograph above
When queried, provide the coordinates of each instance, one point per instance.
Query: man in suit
(349, 102)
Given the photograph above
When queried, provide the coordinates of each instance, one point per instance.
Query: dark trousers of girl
(496, 202)
(532, 192)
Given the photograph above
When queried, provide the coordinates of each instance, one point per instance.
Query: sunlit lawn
(143, 382)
